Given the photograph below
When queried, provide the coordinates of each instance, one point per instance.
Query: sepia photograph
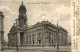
(35, 25)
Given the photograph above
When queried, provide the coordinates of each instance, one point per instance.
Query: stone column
(18, 38)
(28, 39)
(54, 37)
(60, 38)
(1, 31)
(66, 40)
(25, 38)
(36, 39)
(43, 37)
(31, 38)
(46, 37)
(63, 39)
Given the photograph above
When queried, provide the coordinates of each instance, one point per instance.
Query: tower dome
(22, 7)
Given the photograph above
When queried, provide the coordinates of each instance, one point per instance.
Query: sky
(37, 11)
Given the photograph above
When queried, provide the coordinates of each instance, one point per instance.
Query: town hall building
(40, 34)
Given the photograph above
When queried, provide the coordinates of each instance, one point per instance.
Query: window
(33, 41)
(30, 36)
(39, 35)
(49, 35)
(30, 42)
(39, 41)
(33, 36)
(54, 36)
(24, 21)
(27, 42)
(26, 36)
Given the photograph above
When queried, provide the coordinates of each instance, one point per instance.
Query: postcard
(39, 26)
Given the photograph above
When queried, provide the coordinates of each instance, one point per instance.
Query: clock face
(22, 12)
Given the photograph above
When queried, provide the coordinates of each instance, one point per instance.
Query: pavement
(38, 49)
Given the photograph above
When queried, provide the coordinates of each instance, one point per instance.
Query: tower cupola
(22, 7)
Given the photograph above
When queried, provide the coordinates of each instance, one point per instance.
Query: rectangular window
(27, 42)
(39, 41)
(30, 42)
(33, 41)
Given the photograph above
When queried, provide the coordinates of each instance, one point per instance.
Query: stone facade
(40, 34)
(1, 31)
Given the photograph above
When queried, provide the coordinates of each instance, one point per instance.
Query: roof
(47, 23)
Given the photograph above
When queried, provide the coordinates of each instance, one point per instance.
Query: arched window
(39, 34)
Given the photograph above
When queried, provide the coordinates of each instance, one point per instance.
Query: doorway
(21, 38)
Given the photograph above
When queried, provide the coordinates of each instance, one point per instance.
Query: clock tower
(22, 19)
(21, 23)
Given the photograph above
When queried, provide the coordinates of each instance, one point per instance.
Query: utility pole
(16, 36)
(57, 36)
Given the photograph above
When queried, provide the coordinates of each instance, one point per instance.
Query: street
(38, 49)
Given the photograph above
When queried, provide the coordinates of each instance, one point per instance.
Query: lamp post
(57, 36)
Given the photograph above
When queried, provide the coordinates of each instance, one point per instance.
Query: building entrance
(21, 38)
